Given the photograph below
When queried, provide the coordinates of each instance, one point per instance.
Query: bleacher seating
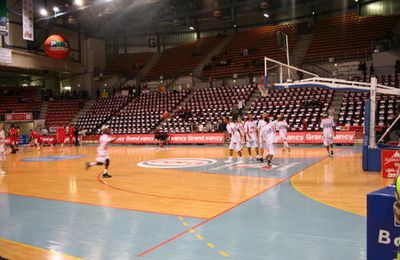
(60, 112)
(128, 64)
(20, 99)
(348, 36)
(101, 111)
(144, 113)
(353, 107)
(182, 59)
(207, 105)
(263, 40)
(391, 80)
(299, 105)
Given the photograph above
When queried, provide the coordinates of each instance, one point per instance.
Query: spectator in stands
(208, 127)
(245, 52)
(76, 135)
(97, 94)
(371, 69)
(241, 106)
(200, 128)
(300, 74)
(304, 125)
(221, 125)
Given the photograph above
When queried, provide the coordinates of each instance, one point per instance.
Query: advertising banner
(27, 20)
(19, 117)
(390, 163)
(342, 137)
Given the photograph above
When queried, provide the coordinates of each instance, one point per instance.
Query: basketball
(56, 47)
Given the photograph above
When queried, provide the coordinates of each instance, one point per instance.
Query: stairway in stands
(300, 50)
(83, 111)
(336, 104)
(218, 49)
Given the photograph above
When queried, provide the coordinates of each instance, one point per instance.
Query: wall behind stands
(384, 7)
(140, 43)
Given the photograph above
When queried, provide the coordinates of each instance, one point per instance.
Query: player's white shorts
(235, 146)
(328, 140)
(102, 156)
(283, 136)
(252, 143)
(270, 146)
(2, 156)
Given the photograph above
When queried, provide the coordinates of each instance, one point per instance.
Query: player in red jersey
(36, 139)
(13, 135)
(60, 135)
(71, 135)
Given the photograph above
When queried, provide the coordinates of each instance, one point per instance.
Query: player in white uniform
(103, 157)
(269, 139)
(250, 129)
(328, 133)
(282, 125)
(240, 126)
(235, 143)
(2, 148)
(260, 125)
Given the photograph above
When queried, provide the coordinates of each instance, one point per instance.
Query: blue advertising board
(383, 233)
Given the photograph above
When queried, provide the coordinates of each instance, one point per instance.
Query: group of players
(261, 135)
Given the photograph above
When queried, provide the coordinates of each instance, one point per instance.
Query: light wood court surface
(16, 251)
(177, 192)
(340, 183)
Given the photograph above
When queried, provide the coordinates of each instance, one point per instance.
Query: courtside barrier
(383, 233)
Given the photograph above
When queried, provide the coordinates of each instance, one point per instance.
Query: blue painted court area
(281, 168)
(279, 224)
(89, 232)
(52, 158)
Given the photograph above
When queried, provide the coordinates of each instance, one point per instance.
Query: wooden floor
(198, 193)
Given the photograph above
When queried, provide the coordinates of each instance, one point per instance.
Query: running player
(103, 158)
(250, 129)
(282, 125)
(13, 135)
(60, 134)
(328, 133)
(71, 135)
(235, 143)
(36, 139)
(261, 123)
(2, 148)
(268, 139)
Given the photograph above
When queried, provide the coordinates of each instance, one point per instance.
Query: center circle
(174, 163)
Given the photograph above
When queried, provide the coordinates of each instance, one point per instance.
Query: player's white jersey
(234, 131)
(327, 125)
(282, 127)
(268, 132)
(102, 153)
(2, 140)
(250, 127)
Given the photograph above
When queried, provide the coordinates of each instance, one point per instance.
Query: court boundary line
(98, 205)
(227, 210)
(160, 196)
(4, 240)
(297, 189)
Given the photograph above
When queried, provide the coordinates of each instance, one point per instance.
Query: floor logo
(52, 158)
(174, 163)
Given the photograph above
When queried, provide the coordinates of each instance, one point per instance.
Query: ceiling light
(43, 12)
(266, 15)
(191, 28)
(78, 2)
(56, 9)
(313, 12)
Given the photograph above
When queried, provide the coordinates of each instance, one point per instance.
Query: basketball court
(184, 201)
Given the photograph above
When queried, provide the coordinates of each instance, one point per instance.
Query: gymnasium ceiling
(128, 17)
